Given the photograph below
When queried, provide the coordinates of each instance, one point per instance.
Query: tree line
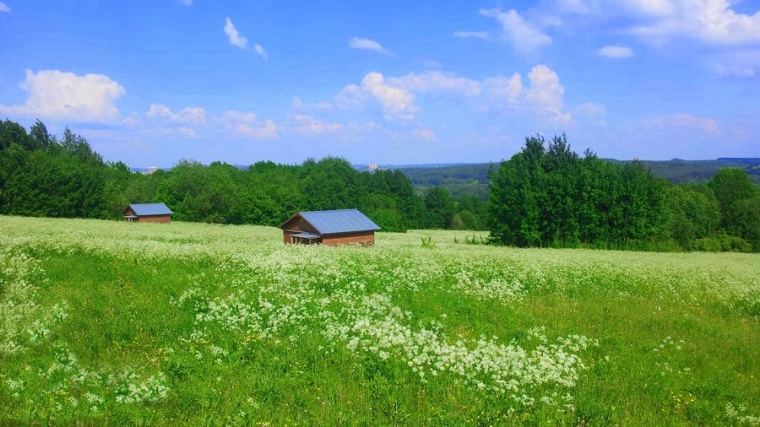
(42, 175)
(549, 196)
(544, 196)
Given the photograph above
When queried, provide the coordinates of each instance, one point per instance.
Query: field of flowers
(154, 324)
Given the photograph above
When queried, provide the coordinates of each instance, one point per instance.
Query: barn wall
(294, 226)
(364, 238)
(162, 219)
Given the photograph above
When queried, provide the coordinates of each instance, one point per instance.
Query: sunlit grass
(200, 324)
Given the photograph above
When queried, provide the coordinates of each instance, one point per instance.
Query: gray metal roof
(306, 235)
(339, 221)
(148, 209)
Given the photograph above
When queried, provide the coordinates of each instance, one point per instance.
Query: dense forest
(42, 175)
(546, 195)
(549, 196)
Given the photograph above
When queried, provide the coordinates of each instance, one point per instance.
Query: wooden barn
(147, 212)
(337, 227)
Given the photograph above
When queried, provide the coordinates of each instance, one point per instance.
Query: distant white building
(151, 170)
(372, 167)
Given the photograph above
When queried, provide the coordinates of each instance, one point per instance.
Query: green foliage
(739, 202)
(41, 176)
(441, 206)
(550, 197)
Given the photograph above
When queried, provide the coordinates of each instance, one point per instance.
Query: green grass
(153, 324)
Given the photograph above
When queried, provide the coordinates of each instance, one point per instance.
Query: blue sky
(152, 82)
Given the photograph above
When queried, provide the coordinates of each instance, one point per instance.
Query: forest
(544, 196)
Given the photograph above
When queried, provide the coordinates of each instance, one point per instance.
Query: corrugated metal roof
(148, 209)
(339, 221)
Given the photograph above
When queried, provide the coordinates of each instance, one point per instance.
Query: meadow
(106, 322)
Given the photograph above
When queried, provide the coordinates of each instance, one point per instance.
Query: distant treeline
(41, 175)
(473, 178)
(545, 195)
(548, 196)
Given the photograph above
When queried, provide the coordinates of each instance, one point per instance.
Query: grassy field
(150, 324)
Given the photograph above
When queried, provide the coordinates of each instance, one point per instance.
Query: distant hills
(473, 178)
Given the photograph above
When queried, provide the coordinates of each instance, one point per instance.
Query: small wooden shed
(148, 212)
(335, 227)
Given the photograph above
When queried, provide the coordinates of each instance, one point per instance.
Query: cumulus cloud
(61, 95)
(246, 125)
(543, 95)
(366, 44)
(524, 36)
(436, 81)
(398, 104)
(617, 52)
(190, 115)
(504, 90)
(4, 7)
(659, 21)
(712, 21)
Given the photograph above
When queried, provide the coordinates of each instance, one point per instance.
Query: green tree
(440, 205)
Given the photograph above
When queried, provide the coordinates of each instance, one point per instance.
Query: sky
(150, 83)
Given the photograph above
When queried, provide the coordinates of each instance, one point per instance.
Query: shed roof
(337, 221)
(149, 209)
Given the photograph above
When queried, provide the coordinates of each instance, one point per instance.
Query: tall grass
(153, 324)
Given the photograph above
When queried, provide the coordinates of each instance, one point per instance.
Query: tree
(440, 206)
(516, 197)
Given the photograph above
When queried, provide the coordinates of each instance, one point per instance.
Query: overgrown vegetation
(105, 322)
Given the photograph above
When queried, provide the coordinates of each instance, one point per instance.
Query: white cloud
(436, 81)
(712, 21)
(471, 34)
(398, 104)
(245, 125)
(190, 115)
(617, 52)
(234, 36)
(524, 36)
(366, 44)
(504, 90)
(4, 7)
(260, 51)
(543, 95)
(61, 95)
(306, 124)
(237, 40)
(659, 21)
